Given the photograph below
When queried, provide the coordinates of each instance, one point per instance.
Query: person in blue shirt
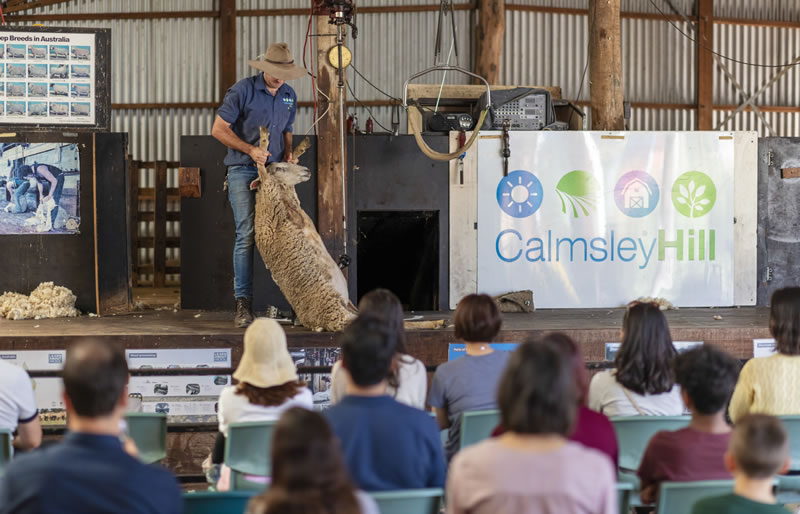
(263, 100)
(90, 471)
(386, 445)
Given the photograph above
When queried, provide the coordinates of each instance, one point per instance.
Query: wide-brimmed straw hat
(266, 361)
(278, 62)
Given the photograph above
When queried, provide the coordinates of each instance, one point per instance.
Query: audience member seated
(533, 468)
(469, 382)
(89, 471)
(707, 377)
(268, 383)
(642, 383)
(408, 378)
(308, 473)
(769, 385)
(387, 445)
(759, 450)
(591, 429)
(18, 411)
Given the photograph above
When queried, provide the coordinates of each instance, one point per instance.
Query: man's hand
(258, 155)
(47, 198)
(288, 156)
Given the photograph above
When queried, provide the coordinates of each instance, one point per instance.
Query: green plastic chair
(248, 450)
(234, 502)
(410, 501)
(6, 449)
(676, 497)
(634, 432)
(789, 485)
(149, 431)
(624, 492)
(477, 425)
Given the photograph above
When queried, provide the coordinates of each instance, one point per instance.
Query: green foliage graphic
(579, 189)
(694, 194)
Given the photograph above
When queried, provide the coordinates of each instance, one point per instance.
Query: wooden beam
(227, 46)
(705, 65)
(605, 55)
(101, 16)
(490, 31)
(330, 207)
(160, 226)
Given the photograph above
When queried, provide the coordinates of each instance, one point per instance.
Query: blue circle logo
(519, 194)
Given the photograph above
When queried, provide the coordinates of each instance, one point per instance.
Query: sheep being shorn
(294, 252)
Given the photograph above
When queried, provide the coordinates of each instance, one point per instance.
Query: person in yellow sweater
(769, 385)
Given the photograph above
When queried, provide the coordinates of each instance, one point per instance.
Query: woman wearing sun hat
(268, 383)
(262, 100)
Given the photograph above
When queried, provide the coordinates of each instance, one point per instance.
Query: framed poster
(55, 77)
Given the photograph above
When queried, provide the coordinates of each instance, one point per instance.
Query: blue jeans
(243, 203)
(21, 188)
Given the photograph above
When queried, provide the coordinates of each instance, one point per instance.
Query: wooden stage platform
(592, 328)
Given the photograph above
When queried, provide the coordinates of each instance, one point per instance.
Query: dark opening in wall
(399, 251)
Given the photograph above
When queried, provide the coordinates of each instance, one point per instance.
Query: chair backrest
(149, 431)
(248, 451)
(634, 432)
(477, 425)
(681, 496)
(233, 502)
(6, 449)
(624, 492)
(792, 424)
(409, 501)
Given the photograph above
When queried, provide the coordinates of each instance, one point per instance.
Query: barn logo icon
(636, 194)
(519, 194)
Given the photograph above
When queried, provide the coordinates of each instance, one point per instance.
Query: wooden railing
(158, 197)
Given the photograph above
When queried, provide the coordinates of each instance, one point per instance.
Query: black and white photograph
(40, 184)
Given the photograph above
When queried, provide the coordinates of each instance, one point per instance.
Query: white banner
(590, 219)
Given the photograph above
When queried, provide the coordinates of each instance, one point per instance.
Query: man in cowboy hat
(263, 100)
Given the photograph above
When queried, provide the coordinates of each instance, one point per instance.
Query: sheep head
(288, 174)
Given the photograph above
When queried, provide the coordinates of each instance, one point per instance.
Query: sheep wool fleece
(293, 250)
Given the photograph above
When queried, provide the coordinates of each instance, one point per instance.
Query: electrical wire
(2, 16)
(585, 67)
(721, 56)
(381, 91)
(362, 104)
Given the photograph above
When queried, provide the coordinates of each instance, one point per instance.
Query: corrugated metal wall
(177, 61)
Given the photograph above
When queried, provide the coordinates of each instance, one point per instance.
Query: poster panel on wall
(49, 78)
(39, 188)
(590, 220)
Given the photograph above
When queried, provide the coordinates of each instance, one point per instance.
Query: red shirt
(593, 430)
(683, 456)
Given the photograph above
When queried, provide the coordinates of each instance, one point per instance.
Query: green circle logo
(694, 194)
(579, 192)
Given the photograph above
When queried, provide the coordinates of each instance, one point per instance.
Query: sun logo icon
(519, 194)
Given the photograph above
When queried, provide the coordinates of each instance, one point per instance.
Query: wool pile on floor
(46, 301)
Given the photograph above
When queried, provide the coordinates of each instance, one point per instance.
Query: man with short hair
(263, 100)
(759, 450)
(89, 471)
(386, 445)
(18, 412)
(707, 377)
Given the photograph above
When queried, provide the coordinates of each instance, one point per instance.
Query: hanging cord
(2, 16)
(438, 156)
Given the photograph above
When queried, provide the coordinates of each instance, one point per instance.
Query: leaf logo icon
(694, 194)
(578, 191)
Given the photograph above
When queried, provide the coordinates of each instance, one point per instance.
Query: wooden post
(133, 218)
(330, 207)
(705, 65)
(160, 225)
(605, 54)
(227, 46)
(491, 30)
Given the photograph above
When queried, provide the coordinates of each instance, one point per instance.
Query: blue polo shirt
(247, 106)
(89, 474)
(388, 445)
